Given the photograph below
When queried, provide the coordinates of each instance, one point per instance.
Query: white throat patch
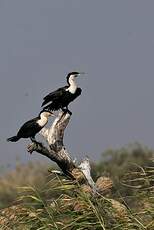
(73, 86)
(42, 121)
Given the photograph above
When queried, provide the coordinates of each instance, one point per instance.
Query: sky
(112, 41)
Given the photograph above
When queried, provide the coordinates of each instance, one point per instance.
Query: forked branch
(56, 151)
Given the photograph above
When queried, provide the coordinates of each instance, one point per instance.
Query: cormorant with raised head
(32, 127)
(61, 98)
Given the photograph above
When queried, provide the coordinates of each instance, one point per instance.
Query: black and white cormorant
(32, 127)
(61, 98)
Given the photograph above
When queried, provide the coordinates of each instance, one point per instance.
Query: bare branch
(85, 168)
(45, 133)
(56, 151)
(40, 148)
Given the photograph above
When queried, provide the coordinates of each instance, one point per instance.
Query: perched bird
(61, 98)
(32, 127)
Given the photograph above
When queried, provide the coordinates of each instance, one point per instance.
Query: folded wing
(54, 95)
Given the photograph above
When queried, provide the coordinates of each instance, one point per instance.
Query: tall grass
(49, 202)
(73, 208)
(34, 174)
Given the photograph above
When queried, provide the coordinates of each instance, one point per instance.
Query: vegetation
(39, 200)
(33, 174)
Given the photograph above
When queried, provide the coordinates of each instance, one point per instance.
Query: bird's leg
(64, 109)
(34, 143)
(68, 111)
(33, 139)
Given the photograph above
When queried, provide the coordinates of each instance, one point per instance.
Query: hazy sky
(113, 41)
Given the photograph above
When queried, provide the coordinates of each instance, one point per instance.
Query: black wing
(78, 92)
(54, 95)
(29, 128)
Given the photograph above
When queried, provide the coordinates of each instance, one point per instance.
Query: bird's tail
(13, 139)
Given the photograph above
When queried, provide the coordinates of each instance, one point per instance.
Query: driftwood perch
(56, 151)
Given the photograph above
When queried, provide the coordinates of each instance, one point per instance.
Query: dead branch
(56, 151)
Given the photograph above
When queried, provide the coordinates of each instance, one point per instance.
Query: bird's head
(72, 75)
(46, 113)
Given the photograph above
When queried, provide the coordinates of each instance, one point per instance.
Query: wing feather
(27, 127)
(54, 95)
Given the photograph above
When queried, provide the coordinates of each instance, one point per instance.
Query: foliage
(75, 209)
(32, 174)
(49, 202)
(123, 164)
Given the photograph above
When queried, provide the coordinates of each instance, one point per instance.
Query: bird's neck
(72, 86)
(42, 120)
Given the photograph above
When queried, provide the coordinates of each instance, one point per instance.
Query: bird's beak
(52, 114)
(82, 73)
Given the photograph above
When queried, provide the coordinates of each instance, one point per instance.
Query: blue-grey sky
(113, 41)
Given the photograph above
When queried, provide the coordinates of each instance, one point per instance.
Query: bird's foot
(35, 141)
(66, 110)
(33, 146)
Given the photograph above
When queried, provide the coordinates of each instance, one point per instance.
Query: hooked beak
(81, 73)
(52, 114)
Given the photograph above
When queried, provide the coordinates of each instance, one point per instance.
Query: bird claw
(31, 148)
(66, 111)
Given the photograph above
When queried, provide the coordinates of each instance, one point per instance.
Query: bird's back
(60, 98)
(55, 95)
(29, 128)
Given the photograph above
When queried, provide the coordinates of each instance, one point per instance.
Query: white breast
(72, 88)
(42, 121)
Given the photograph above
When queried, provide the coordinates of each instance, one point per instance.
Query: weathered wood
(57, 152)
(55, 149)
(86, 170)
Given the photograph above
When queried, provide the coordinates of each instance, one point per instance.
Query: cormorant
(61, 98)
(32, 127)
